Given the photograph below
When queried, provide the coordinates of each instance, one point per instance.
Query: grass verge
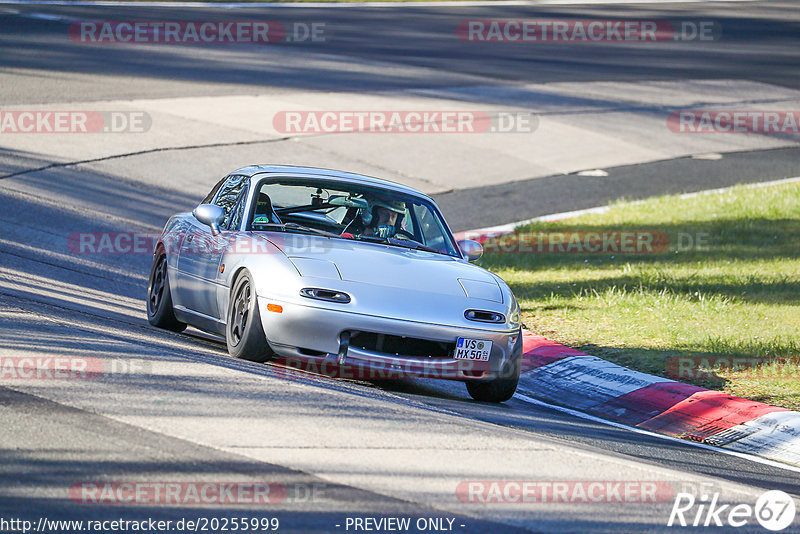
(707, 290)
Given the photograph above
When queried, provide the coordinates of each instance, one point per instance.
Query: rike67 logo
(774, 510)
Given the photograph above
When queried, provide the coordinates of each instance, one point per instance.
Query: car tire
(159, 298)
(244, 332)
(499, 389)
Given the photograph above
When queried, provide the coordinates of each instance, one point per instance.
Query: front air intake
(483, 316)
(328, 295)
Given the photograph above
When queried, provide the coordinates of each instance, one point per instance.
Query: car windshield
(350, 211)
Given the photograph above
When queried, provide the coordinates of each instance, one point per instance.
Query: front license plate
(473, 349)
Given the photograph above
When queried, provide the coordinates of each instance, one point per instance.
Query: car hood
(387, 266)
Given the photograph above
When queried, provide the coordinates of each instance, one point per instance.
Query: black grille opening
(310, 352)
(328, 295)
(400, 345)
(484, 316)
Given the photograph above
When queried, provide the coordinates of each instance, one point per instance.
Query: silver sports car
(337, 269)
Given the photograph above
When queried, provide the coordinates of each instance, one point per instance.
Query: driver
(384, 216)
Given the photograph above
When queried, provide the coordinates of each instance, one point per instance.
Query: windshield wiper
(371, 238)
(295, 226)
(413, 245)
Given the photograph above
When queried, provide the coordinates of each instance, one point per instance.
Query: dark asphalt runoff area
(538, 197)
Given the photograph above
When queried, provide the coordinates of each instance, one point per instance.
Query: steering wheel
(405, 233)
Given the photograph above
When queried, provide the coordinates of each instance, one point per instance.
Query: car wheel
(159, 298)
(244, 332)
(499, 389)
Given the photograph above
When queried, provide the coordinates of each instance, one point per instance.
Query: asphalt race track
(177, 408)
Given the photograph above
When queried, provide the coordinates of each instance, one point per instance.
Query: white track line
(402, 3)
(510, 227)
(582, 415)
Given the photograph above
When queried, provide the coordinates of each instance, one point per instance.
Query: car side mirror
(472, 250)
(210, 215)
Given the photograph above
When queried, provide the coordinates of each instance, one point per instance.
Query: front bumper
(316, 338)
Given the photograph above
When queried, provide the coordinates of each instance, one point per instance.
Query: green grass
(738, 295)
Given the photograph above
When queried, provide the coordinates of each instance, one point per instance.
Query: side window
(234, 218)
(229, 192)
(431, 229)
(213, 192)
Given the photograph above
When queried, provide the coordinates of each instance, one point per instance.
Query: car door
(201, 252)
